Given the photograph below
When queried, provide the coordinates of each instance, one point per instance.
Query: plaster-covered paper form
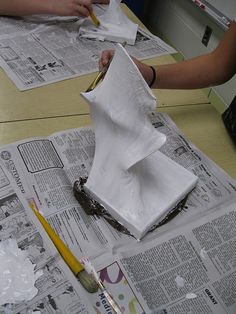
(35, 53)
(114, 26)
(130, 177)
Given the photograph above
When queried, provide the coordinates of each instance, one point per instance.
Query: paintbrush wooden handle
(94, 18)
(87, 280)
(68, 257)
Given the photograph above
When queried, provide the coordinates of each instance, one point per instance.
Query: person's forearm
(203, 71)
(207, 70)
(25, 7)
(199, 72)
(58, 7)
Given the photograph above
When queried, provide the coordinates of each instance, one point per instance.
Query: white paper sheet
(134, 181)
(114, 26)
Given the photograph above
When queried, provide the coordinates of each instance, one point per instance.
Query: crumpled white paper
(130, 177)
(114, 26)
(17, 275)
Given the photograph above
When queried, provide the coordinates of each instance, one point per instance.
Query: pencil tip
(88, 281)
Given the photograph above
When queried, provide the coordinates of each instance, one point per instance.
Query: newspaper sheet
(190, 269)
(44, 170)
(58, 290)
(36, 52)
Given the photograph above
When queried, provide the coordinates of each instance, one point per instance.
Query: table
(203, 125)
(63, 98)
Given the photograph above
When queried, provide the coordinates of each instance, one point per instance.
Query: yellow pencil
(88, 281)
(94, 18)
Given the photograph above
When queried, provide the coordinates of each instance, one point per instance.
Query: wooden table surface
(63, 98)
(203, 125)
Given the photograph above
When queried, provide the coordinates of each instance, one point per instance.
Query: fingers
(105, 58)
(83, 7)
(70, 7)
(81, 11)
(145, 69)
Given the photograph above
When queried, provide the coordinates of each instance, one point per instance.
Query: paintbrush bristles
(88, 281)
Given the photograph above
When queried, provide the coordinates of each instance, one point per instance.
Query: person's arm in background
(210, 69)
(57, 7)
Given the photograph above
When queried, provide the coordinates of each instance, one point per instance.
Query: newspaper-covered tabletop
(37, 51)
(44, 170)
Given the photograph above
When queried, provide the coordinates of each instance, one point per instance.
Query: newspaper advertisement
(35, 53)
(58, 290)
(190, 269)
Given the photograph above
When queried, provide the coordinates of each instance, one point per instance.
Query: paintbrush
(114, 305)
(87, 280)
(101, 74)
(94, 18)
(116, 308)
(98, 78)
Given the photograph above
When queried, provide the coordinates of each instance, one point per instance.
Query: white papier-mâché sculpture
(130, 177)
(114, 26)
